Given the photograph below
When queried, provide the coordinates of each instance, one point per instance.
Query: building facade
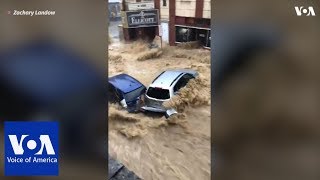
(185, 21)
(140, 19)
(176, 21)
(114, 10)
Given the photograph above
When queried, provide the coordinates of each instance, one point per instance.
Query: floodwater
(148, 144)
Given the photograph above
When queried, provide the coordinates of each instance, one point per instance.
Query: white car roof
(167, 78)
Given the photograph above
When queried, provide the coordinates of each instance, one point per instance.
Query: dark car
(126, 90)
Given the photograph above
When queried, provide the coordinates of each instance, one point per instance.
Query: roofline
(141, 85)
(174, 80)
(157, 77)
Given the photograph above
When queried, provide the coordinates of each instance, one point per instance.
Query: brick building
(185, 21)
(180, 20)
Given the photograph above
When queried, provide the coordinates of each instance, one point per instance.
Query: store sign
(140, 6)
(144, 18)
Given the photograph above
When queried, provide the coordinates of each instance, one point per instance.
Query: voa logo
(31, 148)
(301, 10)
(31, 144)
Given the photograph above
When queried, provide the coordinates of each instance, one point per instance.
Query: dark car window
(182, 82)
(113, 95)
(133, 95)
(158, 93)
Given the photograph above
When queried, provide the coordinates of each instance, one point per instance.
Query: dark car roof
(125, 83)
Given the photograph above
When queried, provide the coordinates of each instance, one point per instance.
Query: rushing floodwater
(148, 144)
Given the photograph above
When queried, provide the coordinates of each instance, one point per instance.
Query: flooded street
(147, 143)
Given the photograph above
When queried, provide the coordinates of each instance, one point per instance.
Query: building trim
(164, 21)
(141, 26)
(193, 27)
(201, 46)
(191, 21)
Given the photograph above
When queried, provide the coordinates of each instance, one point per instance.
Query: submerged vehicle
(164, 87)
(127, 91)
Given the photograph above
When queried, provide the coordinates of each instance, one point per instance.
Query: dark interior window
(182, 82)
(202, 36)
(158, 93)
(164, 2)
(185, 34)
(113, 94)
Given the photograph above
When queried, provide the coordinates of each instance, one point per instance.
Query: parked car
(164, 87)
(126, 90)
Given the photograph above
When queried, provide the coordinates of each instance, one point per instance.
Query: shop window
(209, 39)
(184, 34)
(181, 34)
(192, 36)
(202, 36)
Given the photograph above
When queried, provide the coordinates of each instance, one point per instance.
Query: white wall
(165, 31)
(186, 8)
(164, 10)
(207, 9)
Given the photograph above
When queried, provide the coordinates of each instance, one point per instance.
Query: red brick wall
(157, 6)
(199, 8)
(172, 17)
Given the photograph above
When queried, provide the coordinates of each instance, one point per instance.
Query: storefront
(192, 29)
(188, 23)
(140, 24)
(189, 34)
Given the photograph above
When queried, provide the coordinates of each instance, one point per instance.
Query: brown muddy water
(148, 144)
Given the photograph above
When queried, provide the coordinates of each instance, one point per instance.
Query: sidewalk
(117, 171)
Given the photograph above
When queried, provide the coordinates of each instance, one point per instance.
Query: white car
(164, 87)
